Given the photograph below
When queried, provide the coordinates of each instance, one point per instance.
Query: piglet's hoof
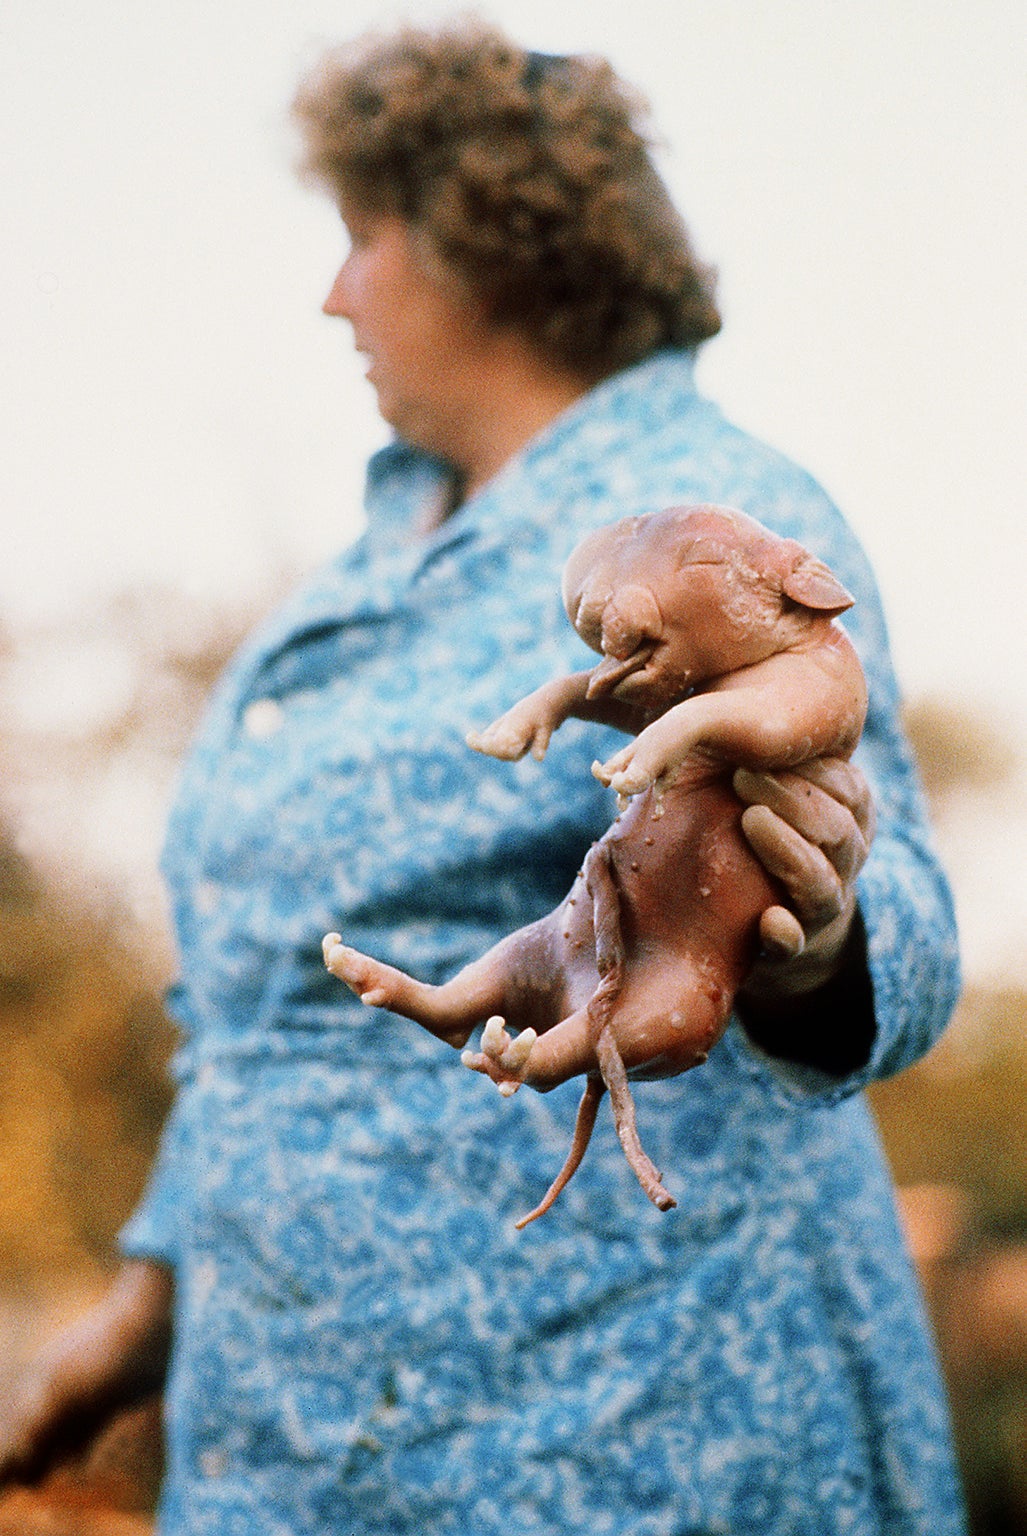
(511, 736)
(617, 774)
(364, 976)
(632, 771)
(502, 1057)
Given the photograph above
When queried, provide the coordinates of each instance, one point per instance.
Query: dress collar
(401, 478)
(560, 466)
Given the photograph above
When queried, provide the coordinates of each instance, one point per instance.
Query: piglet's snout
(614, 669)
(631, 625)
(630, 619)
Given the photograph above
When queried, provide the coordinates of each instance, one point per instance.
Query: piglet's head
(678, 598)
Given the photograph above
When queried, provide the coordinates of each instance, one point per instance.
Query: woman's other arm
(111, 1357)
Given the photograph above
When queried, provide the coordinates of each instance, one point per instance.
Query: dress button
(262, 718)
(213, 1463)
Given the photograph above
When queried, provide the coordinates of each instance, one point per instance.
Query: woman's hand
(112, 1356)
(811, 828)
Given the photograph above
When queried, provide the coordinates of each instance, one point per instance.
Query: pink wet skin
(718, 650)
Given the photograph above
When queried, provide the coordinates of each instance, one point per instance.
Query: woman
(361, 1342)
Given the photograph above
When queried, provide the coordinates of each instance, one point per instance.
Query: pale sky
(175, 407)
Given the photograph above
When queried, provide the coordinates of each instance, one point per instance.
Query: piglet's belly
(690, 894)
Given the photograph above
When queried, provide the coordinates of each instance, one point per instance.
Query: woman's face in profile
(423, 338)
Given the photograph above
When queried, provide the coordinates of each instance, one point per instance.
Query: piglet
(718, 650)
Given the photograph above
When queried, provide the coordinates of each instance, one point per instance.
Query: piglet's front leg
(653, 755)
(738, 725)
(529, 724)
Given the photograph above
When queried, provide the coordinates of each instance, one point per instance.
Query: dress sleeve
(905, 901)
(900, 980)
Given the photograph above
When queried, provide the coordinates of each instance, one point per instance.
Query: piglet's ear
(810, 583)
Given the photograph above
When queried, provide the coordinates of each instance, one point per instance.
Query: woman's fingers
(811, 881)
(847, 784)
(810, 828)
(781, 935)
(827, 803)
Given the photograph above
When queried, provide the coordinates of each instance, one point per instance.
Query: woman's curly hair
(530, 176)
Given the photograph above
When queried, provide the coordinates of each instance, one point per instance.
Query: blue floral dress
(364, 1343)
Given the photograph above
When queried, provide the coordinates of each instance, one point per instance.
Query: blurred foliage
(957, 748)
(955, 1131)
(84, 1082)
(83, 1079)
(960, 1115)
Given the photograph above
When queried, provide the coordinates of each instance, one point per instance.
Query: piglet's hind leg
(449, 1012)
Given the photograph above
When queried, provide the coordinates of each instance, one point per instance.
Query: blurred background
(182, 434)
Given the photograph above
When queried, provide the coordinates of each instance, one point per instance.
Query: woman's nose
(338, 302)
